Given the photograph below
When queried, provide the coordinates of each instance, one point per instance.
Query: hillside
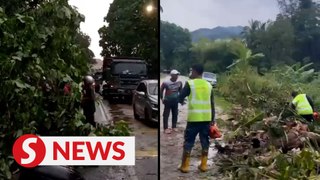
(216, 33)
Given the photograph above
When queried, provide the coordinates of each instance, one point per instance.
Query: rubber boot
(204, 158)
(185, 162)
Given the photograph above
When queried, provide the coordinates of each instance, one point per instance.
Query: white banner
(76, 150)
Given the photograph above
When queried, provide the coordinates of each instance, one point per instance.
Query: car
(145, 101)
(210, 77)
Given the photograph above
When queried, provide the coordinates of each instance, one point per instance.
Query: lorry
(121, 76)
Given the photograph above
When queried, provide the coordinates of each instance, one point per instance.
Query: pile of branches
(276, 147)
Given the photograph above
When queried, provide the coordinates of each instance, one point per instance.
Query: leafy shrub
(252, 90)
(312, 89)
(119, 128)
(262, 96)
(296, 165)
(37, 42)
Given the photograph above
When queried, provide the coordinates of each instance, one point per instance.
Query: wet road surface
(146, 138)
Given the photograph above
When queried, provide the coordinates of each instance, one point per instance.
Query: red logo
(29, 150)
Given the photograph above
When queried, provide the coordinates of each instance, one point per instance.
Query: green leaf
(8, 173)
(61, 114)
(257, 118)
(42, 36)
(17, 58)
(67, 78)
(78, 123)
(20, 84)
(32, 123)
(259, 55)
(20, 18)
(47, 124)
(2, 20)
(92, 134)
(19, 133)
(39, 68)
(67, 12)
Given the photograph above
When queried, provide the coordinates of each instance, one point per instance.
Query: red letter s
(120, 151)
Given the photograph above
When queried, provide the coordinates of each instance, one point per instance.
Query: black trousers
(90, 118)
(89, 109)
(173, 107)
(191, 132)
(308, 117)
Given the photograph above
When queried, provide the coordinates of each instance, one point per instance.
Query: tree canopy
(40, 43)
(294, 37)
(175, 44)
(131, 31)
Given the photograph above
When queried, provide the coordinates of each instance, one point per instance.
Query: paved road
(146, 137)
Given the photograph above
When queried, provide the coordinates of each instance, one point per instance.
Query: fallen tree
(265, 139)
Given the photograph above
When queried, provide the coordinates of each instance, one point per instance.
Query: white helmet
(88, 79)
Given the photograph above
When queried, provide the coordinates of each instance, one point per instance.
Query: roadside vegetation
(41, 43)
(264, 138)
(263, 130)
(39, 39)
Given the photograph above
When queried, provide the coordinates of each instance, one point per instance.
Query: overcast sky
(195, 14)
(94, 11)
(191, 14)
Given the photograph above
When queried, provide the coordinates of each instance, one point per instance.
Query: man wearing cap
(172, 88)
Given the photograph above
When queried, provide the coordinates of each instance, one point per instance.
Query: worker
(303, 105)
(201, 114)
(172, 88)
(88, 99)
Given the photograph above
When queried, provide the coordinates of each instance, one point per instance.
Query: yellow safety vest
(302, 105)
(199, 105)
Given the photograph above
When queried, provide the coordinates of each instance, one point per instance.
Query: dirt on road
(171, 147)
